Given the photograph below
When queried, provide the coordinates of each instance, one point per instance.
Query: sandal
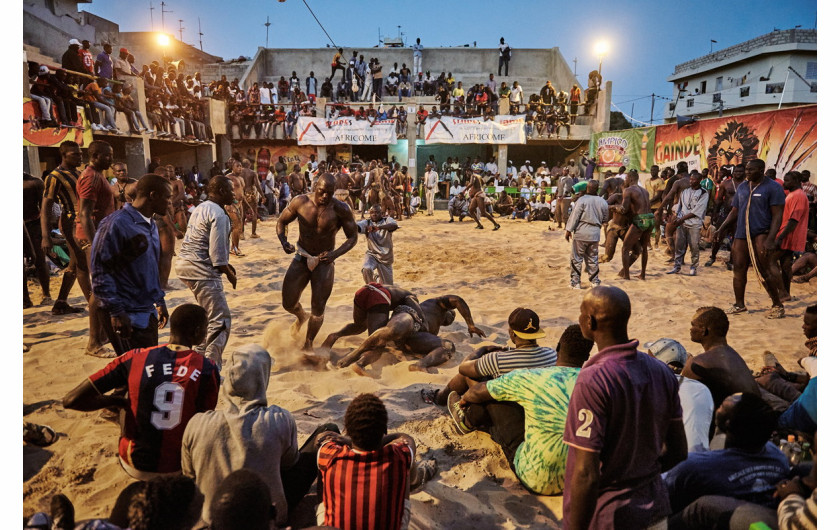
(425, 470)
(103, 352)
(40, 435)
(776, 312)
(735, 309)
(429, 396)
(63, 308)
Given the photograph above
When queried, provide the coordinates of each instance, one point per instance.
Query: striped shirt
(167, 385)
(60, 186)
(497, 363)
(796, 513)
(364, 490)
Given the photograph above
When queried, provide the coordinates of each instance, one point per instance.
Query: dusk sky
(647, 37)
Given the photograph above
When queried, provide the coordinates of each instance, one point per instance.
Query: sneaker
(709, 263)
(95, 127)
(457, 413)
(693, 271)
(675, 270)
(736, 309)
(574, 285)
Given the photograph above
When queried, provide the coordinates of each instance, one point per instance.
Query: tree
(618, 121)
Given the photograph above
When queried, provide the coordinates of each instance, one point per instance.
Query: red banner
(785, 139)
(34, 135)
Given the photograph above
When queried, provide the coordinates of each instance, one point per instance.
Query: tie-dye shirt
(544, 393)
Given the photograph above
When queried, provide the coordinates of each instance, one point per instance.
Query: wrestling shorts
(419, 321)
(341, 195)
(644, 221)
(372, 295)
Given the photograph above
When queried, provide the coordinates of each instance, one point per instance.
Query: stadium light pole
(601, 49)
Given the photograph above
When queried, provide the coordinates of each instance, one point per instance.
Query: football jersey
(165, 389)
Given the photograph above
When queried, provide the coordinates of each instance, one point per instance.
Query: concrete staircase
(33, 53)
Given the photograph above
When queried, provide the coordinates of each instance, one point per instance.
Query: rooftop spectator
(104, 66)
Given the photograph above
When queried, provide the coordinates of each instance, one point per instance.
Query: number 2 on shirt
(586, 416)
(169, 400)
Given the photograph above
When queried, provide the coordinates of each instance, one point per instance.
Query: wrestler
(371, 306)
(342, 189)
(415, 333)
(357, 181)
(167, 234)
(235, 210)
(319, 216)
(401, 183)
(179, 196)
(124, 188)
(636, 203)
(253, 195)
(477, 201)
(373, 192)
(673, 188)
(727, 192)
(616, 228)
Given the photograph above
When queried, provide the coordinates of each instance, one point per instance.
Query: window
(811, 70)
(719, 84)
(774, 88)
(689, 103)
(716, 97)
(703, 87)
(745, 91)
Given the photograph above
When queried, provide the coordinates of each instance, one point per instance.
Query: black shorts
(34, 229)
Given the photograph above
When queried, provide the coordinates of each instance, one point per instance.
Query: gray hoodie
(244, 433)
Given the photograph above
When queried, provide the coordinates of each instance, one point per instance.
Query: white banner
(500, 130)
(320, 131)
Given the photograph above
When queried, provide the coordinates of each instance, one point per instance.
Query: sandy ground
(521, 265)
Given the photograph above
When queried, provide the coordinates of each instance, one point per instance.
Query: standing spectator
(124, 266)
(311, 87)
(589, 214)
(71, 59)
(418, 56)
(338, 64)
(247, 433)
(809, 187)
(122, 70)
(793, 235)
(491, 84)
(516, 97)
(574, 101)
(690, 212)
(104, 66)
(504, 56)
(203, 259)
(87, 56)
(430, 181)
(624, 426)
(361, 75)
(294, 81)
(379, 257)
(376, 70)
(368, 82)
(167, 385)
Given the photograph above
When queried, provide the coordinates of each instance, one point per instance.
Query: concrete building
(760, 74)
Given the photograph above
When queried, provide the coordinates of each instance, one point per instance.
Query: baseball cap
(123, 50)
(668, 351)
(75, 42)
(43, 70)
(527, 161)
(525, 323)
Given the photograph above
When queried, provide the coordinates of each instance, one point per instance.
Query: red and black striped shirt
(364, 490)
(165, 388)
(60, 186)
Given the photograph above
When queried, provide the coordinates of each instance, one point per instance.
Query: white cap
(43, 70)
(75, 42)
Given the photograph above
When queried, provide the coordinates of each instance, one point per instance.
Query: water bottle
(806, 452)
(795, 450)
(784, 448)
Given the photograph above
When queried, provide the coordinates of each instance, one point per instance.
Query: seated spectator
(243, 500)
(707, 233)
(93, 94)
(695, 398)
(802, 413)
(152, 374)
(524, 411)
(392, 83)
(381, 467)
(719, 367)
(489, 362)
(522, 208)
(541, 209)
(788, 386)
(43, 94)
(458, 94)
(421, 117)
(504, 205)
(746, 469)
(327, 89)
(283, 88)
(458, 205)
(166, 503)
(404, 89)
(247, 433)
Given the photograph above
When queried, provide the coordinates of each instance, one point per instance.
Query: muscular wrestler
(371, 306)
(374, 191)
(728, 188)
(253, 195)
(636, 203)
(179, 196)
(319, 216)
(342, 189)
(235, 210)
(673, 189)
(616, 228)
(357, 181)
(297, 185)
(415, 333)
(167, 234)
(125, 187)
(477, 201)
(401, 184)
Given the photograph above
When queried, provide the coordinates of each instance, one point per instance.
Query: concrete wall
(51, 32)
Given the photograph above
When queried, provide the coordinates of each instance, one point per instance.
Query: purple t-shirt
(622, 406)
(768, 193)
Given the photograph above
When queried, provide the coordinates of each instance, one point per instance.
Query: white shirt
(516, 94)
(431, 179)
(265, 96)
(698, 413)
(491, 167)
(418, 50)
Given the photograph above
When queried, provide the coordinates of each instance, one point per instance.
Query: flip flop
(102, 352)
(429, 395)
(735, 309)
(40, 435)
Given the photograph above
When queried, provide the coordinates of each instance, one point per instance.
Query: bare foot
(641, 276)
(785, 298)
(360, 370)
(416, 368)
(298, 325)
(624, 275)
(307, 346)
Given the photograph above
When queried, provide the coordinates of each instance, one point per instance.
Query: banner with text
(500, 130)
(785, 139)
(631, 148)
(320, 131)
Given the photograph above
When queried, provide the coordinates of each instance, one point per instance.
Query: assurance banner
(631, 148)
(501, 130)
(320, 131)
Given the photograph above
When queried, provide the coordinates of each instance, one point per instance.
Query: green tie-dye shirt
(544, 393)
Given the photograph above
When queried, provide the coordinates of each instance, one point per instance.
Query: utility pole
(152, 14)
(632, 110)
(200, 34)
(162, 11)
(575, 61)
(181, 29)
(267, 23)
(652, 96)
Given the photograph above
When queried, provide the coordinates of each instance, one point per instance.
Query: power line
(319, 23)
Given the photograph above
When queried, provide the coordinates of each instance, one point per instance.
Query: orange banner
(785, 139)
(34, 135)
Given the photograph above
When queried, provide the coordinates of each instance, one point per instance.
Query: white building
(753, 76)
